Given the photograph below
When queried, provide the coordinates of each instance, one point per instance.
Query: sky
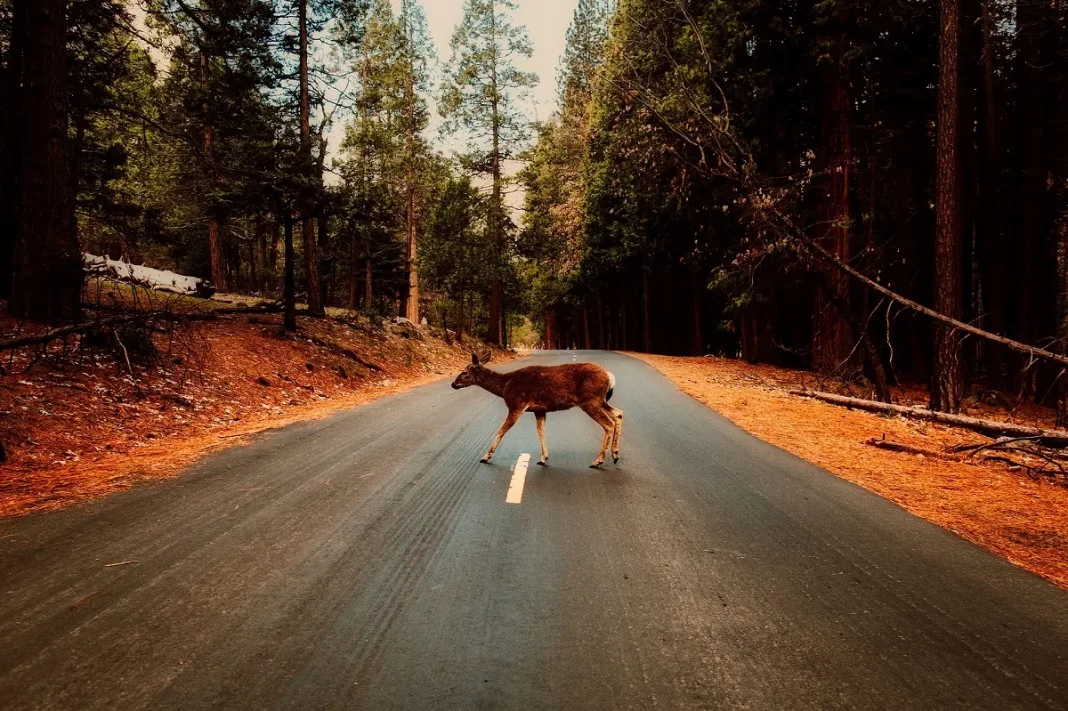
(546, 22)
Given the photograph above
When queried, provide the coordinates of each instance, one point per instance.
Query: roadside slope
(82, 424)
(1021, 519)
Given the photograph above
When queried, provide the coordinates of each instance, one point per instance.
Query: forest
(875, 191)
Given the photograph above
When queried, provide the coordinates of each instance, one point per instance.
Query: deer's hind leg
(513, 417)
(540, 416)
(617, 432)
(599, 415)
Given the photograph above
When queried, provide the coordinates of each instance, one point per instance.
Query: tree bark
(586, 327)
(496, 219)
(989, 231)
(10, 189)
(215, 250)
(48, 278)
(368, 295)
(412, 297)
(600, 322)
(647, 331)
(698, 336)
(947, 385)
(311, 255)
(830, 347)
(289, 290)
(261, 236)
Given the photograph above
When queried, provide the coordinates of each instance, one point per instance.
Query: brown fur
(549, 388)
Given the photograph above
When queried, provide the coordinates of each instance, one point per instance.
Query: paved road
(369, 561)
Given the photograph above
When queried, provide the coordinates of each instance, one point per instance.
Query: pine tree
(414, 81)
(480, 94)
(946, 386)
(48, 262)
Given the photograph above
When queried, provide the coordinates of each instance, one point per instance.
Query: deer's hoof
(615, 459)
(543, 462)
(484, 460)
(595, 465)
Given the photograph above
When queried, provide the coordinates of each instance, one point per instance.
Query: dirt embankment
(78, 425)
(1021, 518)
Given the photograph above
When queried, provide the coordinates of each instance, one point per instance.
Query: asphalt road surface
(369, 561)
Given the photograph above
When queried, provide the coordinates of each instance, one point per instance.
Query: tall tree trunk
(323, 245)
(461, 324)
(311, 255)
(600, 322)
(496, 219)
(215, 250)
(586, 327)
(253, 262)
(289, 290)
(990, 234)
(647, 330)
(831, 347)
(48, 276)
(276, 235)
(623, 319)
(947, 385)
(412, 297)
(261, 235)
(1059, 174)
(353, 279)
(368, 294)
(14, 126)
(698, 336)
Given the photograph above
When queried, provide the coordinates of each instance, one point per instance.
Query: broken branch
(990, 428)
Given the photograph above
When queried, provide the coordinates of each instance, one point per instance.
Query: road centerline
(519, 478)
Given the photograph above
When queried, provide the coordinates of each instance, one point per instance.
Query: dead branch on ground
(991, 428)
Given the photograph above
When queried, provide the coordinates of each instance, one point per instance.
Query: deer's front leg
(513, 416)
(540, 416)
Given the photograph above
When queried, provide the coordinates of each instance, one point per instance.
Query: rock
(424, 322)
(401, 319)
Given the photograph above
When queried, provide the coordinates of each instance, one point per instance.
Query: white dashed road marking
(519, 477)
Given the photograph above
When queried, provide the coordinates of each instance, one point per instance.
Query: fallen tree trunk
(991, 428)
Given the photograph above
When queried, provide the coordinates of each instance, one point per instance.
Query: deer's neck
(493, 381)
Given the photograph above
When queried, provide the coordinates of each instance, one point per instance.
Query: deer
(549, 388)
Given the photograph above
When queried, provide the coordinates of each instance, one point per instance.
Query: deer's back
(551, 388)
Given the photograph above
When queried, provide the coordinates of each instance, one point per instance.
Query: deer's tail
(611, 386)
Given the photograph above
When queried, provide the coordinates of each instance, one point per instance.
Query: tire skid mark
(416, 529)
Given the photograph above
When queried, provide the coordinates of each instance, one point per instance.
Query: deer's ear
(474, 358)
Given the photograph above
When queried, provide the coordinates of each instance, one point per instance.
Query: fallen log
(1057, 439)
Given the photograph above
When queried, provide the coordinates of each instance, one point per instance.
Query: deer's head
(469, 375)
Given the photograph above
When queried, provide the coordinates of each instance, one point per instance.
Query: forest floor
(1016, 514)
(78, 425)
